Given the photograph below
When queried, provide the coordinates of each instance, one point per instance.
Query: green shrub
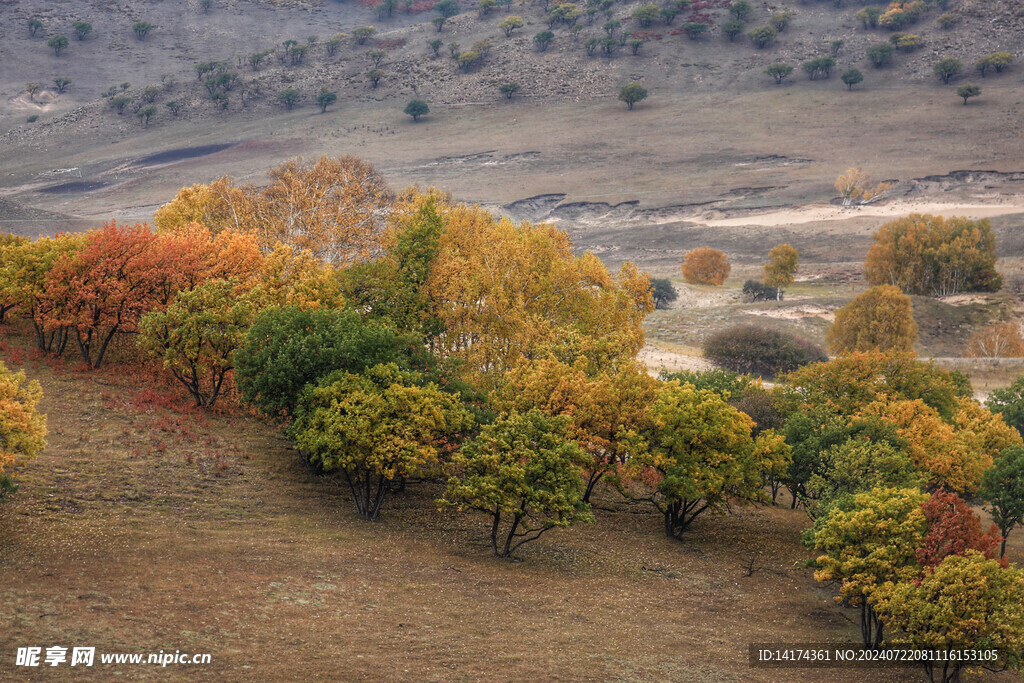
(760, 351)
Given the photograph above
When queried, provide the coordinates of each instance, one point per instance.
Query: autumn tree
(953, 529)
(705, 266)
(121, 273)
(867, 544)
(700, 457)
(376, 428)
(934, 256)
(10, 294)
(605, 407)
(197, 335)
(964, 601)
(524, 472)
(780, 271)
(856, 186)
(880, 318)
(997, 340)
(22, 426)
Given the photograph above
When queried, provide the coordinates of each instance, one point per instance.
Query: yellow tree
(880, 318)
(22, 426)
(705, 266)
(607, 407)
(855, 184)
(780, 271)
(218, 206)
(998, 340)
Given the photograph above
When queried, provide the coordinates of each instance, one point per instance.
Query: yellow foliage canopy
(880, 318)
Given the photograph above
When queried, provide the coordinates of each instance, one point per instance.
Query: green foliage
(635, 44)
(732, 28)
(760, 351)
(780, 20)
(326, 98)
(694, 29)
(120, 102)
(33, 26)
(416, 109)
(362, 34)
(756, 291)
(820, 66)
(880, 54)
(543, 39)
(82, 29)
(947, 68)
(510, 24)
(1002, 487)
(631, 93)
(466, 60)
(447, 8)
(740, 9)
(524, 472)
(197, 335)
(142, 29)
(726, 383)
(852, 78)
(1009, 403)
(762, 35)
(700, 457)
(996, 60)
(509, 89)
(968, 91)
(289, 97)
(663, 292)
(870, 16)
(375, 428)
(374, 76)
(145, 114)
(436, 45)
(58, 42)
(288, 347)
(778, 71)
(645, 15)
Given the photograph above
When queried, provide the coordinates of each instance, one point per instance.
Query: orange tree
(998, 340)
(705, 266)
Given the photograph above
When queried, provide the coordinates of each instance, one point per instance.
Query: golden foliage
(22, 427)
(998, 340)
(880, 318)
(855, 185)
(780, 271)
(705, 266)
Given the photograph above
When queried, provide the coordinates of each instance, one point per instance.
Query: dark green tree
(852, 78)
(779, 71)
(968, 91)
(58, 43)
(416, 109)
(325, 98)
(289, 97)
(631, 93)
(142, 29)
(947, 68)
(82, 29)
(1002, 487)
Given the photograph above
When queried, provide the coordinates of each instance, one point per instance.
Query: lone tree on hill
(326, 98)
(947, 68)
(82, 29)
(762, 36)
(33, 26)
(510, 24)
(142, 29)
(145, 114)
(631, 93)
(58, 43)
(732, 28)
(705, 266)
(779, 71)
(543, 40)
(968, 91)
(32, 89)
(740, 9)
(61, 83)
(852, 78)
(509, 89)
(880, 54)
(416, 109)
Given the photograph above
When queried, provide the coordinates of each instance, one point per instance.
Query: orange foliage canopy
(705, 266)
(998, 340)
(953, 529)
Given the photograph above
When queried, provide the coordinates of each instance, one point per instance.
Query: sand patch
(794, 312)
(817, 213)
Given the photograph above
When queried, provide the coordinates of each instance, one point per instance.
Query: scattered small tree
(880, 54)
(780, 20)
(694, 29)
(732, 28)
(631, 93)
(947, 68)
(326, 98)
(635, 44)
(835, 47)
(740, 9)
(663, 292)
(120, 102)
(855, 184)
(996, 60)
(145, 113)
(968, 91)
(645, 15)
(947, 20)
(82, 29)
(510, 24)
(142, 29)
(436, 45)
(852, 78)
(1009, 404)
(33, 26)
(205, 5)
(543, 39)
(58, 43)
(61, 83)
(762, 36)
(416, 109)
(362, 34)
(32, 89)
(509, 89)
(289, 97)
(374, 76)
